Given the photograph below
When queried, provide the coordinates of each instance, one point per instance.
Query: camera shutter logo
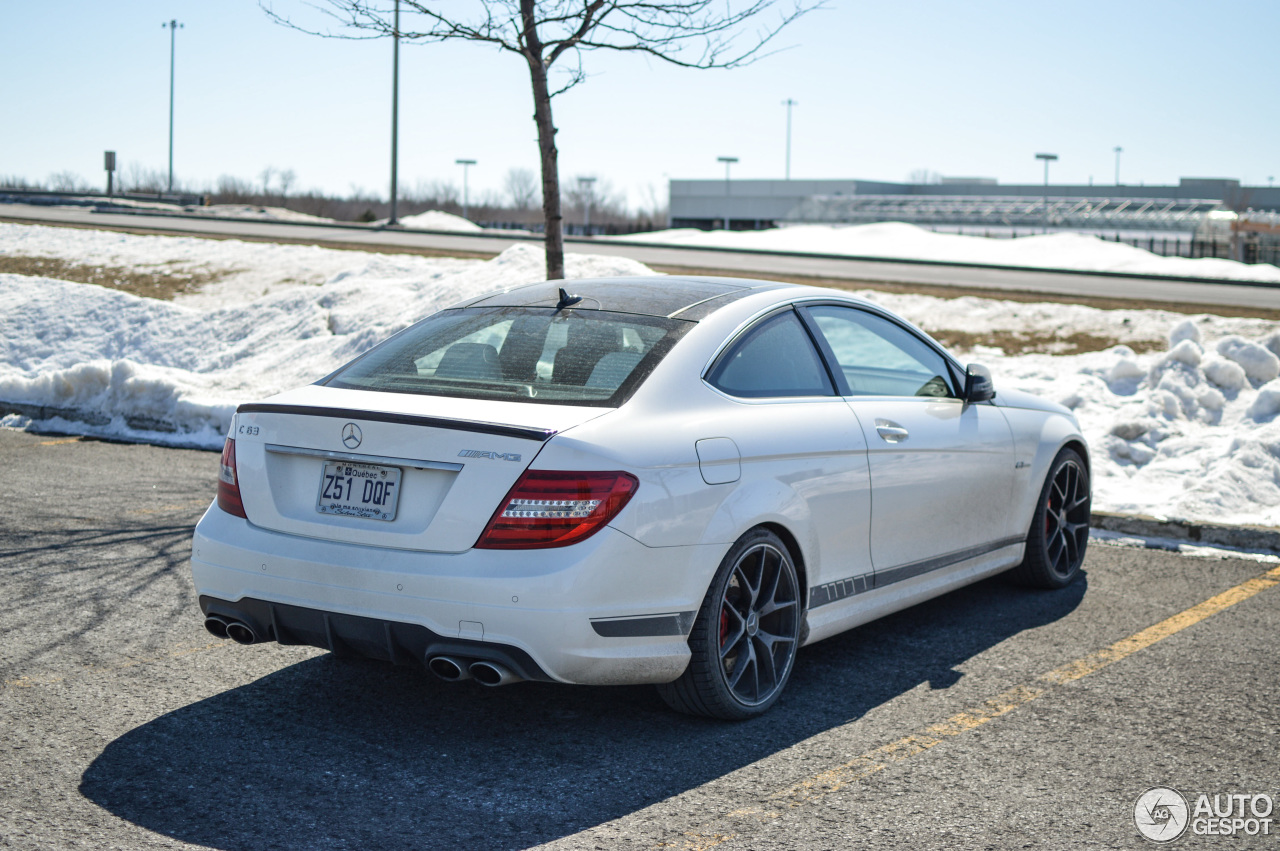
(351, 435)
(1161, 814)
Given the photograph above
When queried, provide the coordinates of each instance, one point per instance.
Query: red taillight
(229, 482)
(555, 509)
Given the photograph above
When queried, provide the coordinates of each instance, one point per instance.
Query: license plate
(359, 490)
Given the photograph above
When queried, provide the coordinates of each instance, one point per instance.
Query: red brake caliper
(724, 625)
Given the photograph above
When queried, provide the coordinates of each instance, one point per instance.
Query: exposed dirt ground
(162, 281)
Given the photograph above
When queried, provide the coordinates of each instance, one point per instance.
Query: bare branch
(686, 33)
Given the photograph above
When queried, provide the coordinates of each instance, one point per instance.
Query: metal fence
(1251, 248)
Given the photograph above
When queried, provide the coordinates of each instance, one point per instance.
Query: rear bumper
(605, 611)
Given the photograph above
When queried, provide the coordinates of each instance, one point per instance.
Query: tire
(1059, 531)
(745, 637)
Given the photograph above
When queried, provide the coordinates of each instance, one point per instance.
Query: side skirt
(902, 587)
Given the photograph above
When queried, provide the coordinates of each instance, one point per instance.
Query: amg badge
(497, 456)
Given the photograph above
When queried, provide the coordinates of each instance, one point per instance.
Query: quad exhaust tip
(492, 674)
(217, 626)
(449, 669)
(241, 633)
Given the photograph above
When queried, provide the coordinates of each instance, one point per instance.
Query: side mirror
(977, 383)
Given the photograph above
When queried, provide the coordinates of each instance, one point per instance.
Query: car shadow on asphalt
(335, 753)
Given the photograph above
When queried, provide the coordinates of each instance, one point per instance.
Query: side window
(773, 358)
(879, 357)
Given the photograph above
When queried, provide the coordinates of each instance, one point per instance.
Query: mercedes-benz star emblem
(351, 436)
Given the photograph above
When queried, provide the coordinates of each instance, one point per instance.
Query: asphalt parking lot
(994, 717)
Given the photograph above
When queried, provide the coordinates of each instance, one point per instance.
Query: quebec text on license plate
(359, 490)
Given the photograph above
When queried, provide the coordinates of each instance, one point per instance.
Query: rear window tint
(567, 357)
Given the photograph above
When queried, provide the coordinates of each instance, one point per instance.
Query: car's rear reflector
(229, 483)
(554, 509)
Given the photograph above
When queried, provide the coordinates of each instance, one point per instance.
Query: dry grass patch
(156, 282)
(1029, 343)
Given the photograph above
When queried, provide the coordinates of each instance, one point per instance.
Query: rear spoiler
(526, 433)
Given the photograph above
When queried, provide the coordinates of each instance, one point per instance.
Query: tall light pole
(584, 183)
(173, 27)
(1119, 151)
(395, 112)
(788, 103)
(1048, 158)
(728, 161)
(466, 164)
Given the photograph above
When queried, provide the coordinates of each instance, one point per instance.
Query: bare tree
(266, 174)
(138, 178)
(688, 33)
(521, 186)
(67, 181)
(287, 179)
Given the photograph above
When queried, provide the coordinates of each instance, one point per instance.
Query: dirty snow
(901, 240)
(1189, 431)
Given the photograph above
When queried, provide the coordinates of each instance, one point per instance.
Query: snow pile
(897, 240)
(440, 220)
(253, 211)
(120, 365)
(1191, 432)
(243, 270)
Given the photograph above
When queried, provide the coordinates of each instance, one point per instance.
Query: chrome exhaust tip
(217, 626)
(241, 633)
(493, 674)
(448, 669)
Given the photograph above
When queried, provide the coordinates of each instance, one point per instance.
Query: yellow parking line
(878, 759)
(59, 442)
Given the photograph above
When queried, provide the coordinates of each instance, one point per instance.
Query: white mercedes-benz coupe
(666, 480)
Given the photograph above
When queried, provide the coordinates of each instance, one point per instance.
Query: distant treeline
(519, 202)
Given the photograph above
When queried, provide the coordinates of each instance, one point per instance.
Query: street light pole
(1119, 151)
(466, 164)
(788, 103)
(1048, 158)
(728, 161)
(173, 27)
(395, 112)
(585, 183)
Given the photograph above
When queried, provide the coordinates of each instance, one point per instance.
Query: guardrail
(51, 196)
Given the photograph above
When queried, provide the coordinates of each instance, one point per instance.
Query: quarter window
(881, 358)
(774, 358)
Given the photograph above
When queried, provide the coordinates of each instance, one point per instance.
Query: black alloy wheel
(745, 638)
(1059, 531)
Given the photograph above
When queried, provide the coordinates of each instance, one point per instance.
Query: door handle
(891, 431)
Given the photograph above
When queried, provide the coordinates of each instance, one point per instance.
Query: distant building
(969, 205)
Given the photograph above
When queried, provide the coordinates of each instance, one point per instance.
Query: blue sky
(972, 89)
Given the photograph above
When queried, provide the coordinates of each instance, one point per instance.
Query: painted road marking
(876, 760)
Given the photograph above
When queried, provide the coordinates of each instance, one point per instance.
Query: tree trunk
(546, 145)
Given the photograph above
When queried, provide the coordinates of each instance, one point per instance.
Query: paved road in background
(762, 265)
(126, 726)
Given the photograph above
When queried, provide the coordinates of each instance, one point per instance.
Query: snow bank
(120, 365)
(254, 211)
(440, 220)
(1178, 433)
(900, 240)
(1190, 430)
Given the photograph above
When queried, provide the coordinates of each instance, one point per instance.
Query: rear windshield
(526, 354)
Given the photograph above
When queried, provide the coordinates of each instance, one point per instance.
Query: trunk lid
(448, 461)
